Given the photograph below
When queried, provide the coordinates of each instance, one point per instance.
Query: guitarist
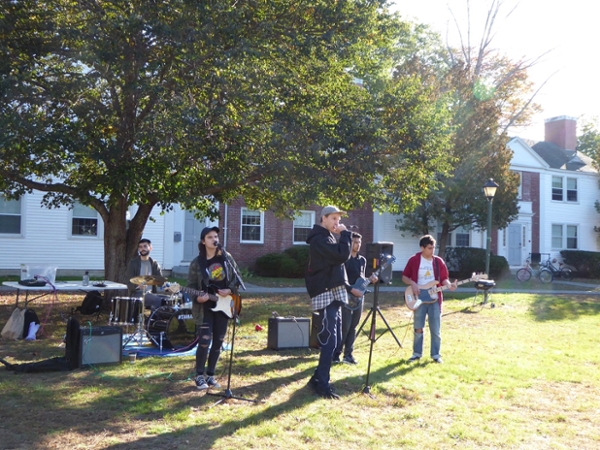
(212, 272)
(352, 311)
(422, 268)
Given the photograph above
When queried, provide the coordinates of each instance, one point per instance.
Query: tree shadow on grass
(207, 435)
(564, 307)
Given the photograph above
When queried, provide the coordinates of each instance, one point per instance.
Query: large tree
(151, 103)
(486, 94)
(588, 142)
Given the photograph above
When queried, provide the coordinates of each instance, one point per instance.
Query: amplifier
(100, 345)
(287, 332)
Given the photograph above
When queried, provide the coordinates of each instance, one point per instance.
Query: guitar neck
(198, 293)
(443, 288)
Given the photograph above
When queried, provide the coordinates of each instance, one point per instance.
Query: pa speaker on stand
(374, 252)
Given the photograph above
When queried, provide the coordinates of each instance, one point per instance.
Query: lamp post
(489, 190)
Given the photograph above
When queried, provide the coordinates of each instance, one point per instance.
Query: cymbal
(149, 279)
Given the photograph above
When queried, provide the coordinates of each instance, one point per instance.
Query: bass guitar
(413, 302)
(361, 284)
(228, 304)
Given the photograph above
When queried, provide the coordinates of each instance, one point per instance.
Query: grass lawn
(522, 375)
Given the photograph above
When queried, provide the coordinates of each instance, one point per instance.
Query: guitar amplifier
(100, 345)
(287, 332)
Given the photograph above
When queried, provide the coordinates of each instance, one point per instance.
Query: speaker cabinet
(100, 345)
(374, 252)
(288, 333)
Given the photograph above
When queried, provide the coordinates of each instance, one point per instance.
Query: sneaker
(414, 358)
(438, 360)
(349, 360)
(336, 358)
(211, 382)
(327, 392)
(201, 383)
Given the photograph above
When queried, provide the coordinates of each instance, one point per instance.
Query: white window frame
(261, 214)
(93, 215)
(564, 236)
(558, 190)
(520, 188)
(564, 189)
(568, 190)
(457, 234)
(311, 220)
(19, 214)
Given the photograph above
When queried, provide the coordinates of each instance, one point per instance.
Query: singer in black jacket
(212, 272)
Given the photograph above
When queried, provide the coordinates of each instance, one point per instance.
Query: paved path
(586, 289)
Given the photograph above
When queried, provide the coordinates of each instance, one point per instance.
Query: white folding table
(61, 286)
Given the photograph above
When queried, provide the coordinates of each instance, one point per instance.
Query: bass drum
(171, 328)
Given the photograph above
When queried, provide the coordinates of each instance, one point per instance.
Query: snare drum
(171, 328)
(125, 311)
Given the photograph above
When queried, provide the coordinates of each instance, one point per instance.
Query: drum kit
(169, 326)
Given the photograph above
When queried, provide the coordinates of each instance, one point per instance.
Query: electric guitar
(413, 302)
(228, 304)
(361, 284)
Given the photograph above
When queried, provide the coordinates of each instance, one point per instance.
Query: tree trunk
(120, 241)
(443, 239)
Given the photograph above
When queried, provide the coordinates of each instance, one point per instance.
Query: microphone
(219, 246)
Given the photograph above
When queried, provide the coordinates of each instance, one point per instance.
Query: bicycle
(525, 273)
(563, 272)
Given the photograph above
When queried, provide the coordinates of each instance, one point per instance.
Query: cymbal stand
(228, 394)
(140, 330)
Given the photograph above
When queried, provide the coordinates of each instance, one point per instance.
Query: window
(557, 188)
(564, 236)
(462, 239)
(303, 223)
(557, 236)
(85, 221)
(571, 189)
(252, 226)
(571, 237)
(10, 216)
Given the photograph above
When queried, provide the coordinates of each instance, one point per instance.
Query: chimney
(562, 131)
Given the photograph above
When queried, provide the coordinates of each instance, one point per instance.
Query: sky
(566, 32)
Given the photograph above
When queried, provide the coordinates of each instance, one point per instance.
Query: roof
(559, 158)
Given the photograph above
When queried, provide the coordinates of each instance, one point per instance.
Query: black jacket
(326, 263)
(133, 270)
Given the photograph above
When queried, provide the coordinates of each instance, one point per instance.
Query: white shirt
(426, 274)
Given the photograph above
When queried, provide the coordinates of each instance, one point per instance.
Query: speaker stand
(376, 310)
(373, 314)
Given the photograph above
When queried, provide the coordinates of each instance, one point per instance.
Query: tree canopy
(120, 103)
(485, 94)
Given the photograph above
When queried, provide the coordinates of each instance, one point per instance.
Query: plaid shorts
(323, 300)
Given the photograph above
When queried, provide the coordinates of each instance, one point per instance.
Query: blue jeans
(330, 338)
(434, 316)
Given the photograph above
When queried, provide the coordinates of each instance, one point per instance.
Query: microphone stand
(232, 266)
(228, 394)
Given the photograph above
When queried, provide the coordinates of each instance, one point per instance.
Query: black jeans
(350, 319)
(213, 328)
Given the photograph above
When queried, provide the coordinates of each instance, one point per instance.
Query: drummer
(144, 265)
